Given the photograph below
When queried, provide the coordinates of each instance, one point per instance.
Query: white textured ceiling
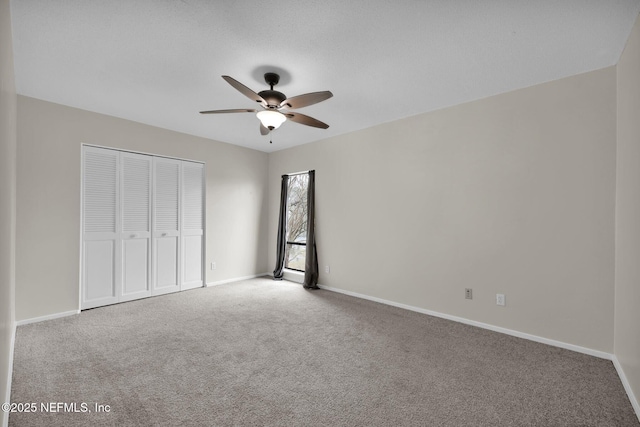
(159, 61)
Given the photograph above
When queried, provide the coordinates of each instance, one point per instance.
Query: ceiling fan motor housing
(273, 97)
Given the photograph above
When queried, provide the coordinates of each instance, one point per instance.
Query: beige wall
(511, 194)
(48, 199)
(627, 285)
(7, 199)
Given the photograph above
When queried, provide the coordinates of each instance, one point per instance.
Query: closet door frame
(82, 305)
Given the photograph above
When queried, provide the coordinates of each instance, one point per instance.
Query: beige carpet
(261, 352)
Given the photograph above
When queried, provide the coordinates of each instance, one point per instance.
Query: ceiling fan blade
(306, 120)
(263, 129)
(237, 110)
(306, 99)
(245, 90)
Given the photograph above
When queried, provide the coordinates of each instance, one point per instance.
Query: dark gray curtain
(311, 260)
(282, 230)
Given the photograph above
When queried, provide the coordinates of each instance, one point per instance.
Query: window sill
(293, 276)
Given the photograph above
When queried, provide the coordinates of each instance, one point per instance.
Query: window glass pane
(295, 256)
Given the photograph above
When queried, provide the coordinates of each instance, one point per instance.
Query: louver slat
(135, 194)
(100, 181)
(166, 197)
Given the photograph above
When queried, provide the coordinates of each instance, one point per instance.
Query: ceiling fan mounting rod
(272, 79)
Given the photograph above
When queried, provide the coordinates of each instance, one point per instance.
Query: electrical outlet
(501, 299)
(327, 269)
(468, 293)
(213, 265)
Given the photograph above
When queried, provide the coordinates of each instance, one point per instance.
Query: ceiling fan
(275, 105)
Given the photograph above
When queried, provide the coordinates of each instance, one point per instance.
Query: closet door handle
(133, 236)
(164, 234)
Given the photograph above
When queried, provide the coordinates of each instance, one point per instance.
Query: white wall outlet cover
(501, 299)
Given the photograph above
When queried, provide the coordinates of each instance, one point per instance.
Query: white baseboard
(560, 344)
(47, 317)
(12, 346)
(627, 386)
(555, 343)
(236, 279)
(577, 348)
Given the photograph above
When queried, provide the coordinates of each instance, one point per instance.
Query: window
(296, 236)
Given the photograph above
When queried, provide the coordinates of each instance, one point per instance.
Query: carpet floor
(260, 352)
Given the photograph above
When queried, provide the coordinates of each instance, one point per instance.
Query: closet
(142, 226)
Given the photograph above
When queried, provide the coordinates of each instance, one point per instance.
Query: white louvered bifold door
(135, 190)
(100, 227)
(192, 225)
(142, 226)
(166, 232)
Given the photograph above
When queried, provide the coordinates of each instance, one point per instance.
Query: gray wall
(7, 199)
(512, 194)
(627, 315)
(48, 199)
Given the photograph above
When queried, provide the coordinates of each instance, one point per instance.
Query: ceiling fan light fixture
(271, 119)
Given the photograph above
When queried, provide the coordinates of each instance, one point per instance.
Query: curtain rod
(298, 173)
